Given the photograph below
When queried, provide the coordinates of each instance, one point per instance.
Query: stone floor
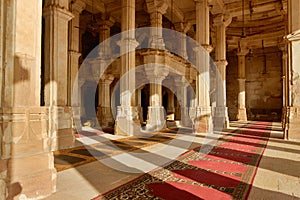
(278, 175)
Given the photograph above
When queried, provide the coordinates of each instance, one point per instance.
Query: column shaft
(242, 112)
(293, 113)
(56, 72)
(73, 62)
(104, 104)
(221, 119)
(127, 122)
(26, 161)
(203, 110)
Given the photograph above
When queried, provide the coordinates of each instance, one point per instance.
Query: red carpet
(227, 172)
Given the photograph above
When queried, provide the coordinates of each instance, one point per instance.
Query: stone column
(139, 104)
(293, 38)
(73, 60)
(26, 161)
(104, 114)
(171, 108)
(156, 9)
(104, 27)
(156, 112)
(183, 28)
(285, 85)
(221, 119)
(242, 112)
(57, 16)
(203, 113)
(182, 84)
(127, 122)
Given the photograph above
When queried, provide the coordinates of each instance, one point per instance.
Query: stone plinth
(127, 122)
(26, 156)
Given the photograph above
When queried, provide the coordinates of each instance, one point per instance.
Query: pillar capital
(77, 6)
(107, 78)
(63, 4)
(221, 63)
(183, 27)
(156, 72)
(222, 19)
(181, 81)
(106, 22)
(58, 11)
(207, 47)
(242, 52)
(153, 6)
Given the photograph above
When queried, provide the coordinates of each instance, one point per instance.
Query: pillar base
(156, 118)
(202, 119)
(221, 120)
(127, 121)
(61, 127)
(26, 160)
(242, 114)
(105, 117)
(185, 118)
(293, 123)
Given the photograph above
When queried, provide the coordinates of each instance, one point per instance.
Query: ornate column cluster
(127, 122)
(221, 119)
(57, 17)
(242, 112)
(156, 9)
(156, 117)
(203, 113)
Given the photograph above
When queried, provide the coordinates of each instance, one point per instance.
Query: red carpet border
(227, 172)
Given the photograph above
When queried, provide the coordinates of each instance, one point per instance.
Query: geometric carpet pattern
(81, 155)
(226, 172)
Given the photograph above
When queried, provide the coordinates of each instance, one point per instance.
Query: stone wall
(263, 84)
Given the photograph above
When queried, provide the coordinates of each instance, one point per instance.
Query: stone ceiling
(259, 23)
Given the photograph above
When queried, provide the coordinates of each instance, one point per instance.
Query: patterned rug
(226, 172)
(81, 155)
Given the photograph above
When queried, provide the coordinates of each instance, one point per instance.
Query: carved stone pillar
(171, 108)
(73, 60)
(183, 28)
(285, 87)
(26, 161)
(182, 97)
(156, 9)
(56, 72)
(242, 112)
(221, 119)
(156, 112)
(104, 26)
(293, 113)
(203, 113)
(127, 122)
(104, 114)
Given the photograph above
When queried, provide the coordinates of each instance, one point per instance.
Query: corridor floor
(92, 173)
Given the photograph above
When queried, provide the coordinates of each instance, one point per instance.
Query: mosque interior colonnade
(252, 47)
